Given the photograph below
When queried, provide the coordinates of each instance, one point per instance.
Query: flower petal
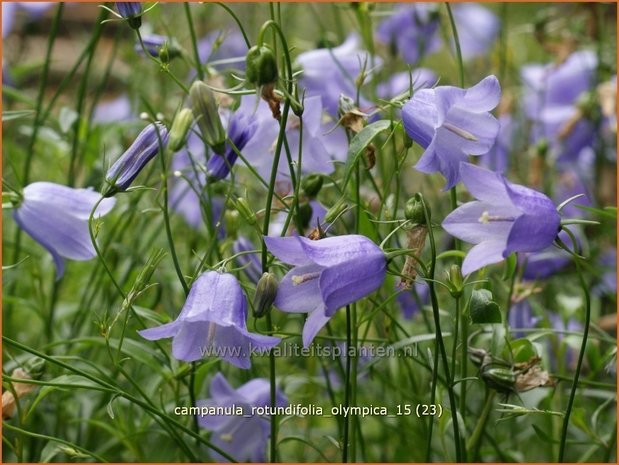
(532, 233)
(314, 323)
(420, 117)
(339, 249)
(77, 202)
(466, 222)
(301, 297)
(483, 96)
(161, 332)
(288, 250)
(350, 281)
(484, 184)
(483, 254)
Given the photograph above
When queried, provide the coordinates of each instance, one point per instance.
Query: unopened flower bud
(311, 184)
(232, 219)
(266, 291)
(414, 210)
(205, 111)
(261, 65)
(305, 214)
(454, 281)
(122, 173)
(180, 128)
(245, 210)
(132, 12)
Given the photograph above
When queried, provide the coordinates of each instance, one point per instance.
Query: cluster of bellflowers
(462, 140)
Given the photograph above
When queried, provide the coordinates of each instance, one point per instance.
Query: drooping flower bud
(305, 214)
(180, 128)
(454, 281)
(205, 111)
(122, 173)
(132, 12)
(311, 184)
(261, 65)
(414, 211)
(266, 291)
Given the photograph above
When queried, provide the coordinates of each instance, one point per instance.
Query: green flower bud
(305, 214)
(312, 184)
(232, 219)
(454, 281)
(261, 65)
(205, 111)
(414, 211)
(180, 128)
(266, 291)
(245, 210)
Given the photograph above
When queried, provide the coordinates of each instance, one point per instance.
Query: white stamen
(302, 278)
(227, 437)
(459, 131)
(486, 218)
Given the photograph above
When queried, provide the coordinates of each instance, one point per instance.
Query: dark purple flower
(551, 101)
(521, 317)
(188, 193)
(129, 9)
(331, 72)
(122, 173)
(212, 323)
(250, 262)
(451, 123)
(410, 301)
(243, 437)
(505, 218)
(478, 28)
(328, 274)
(57, 218)
(412, 31)
(241, 127)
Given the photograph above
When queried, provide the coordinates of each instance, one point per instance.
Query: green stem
(194, 42)
(454, 31)
(439, 338)
(473, 443)
(581, 355)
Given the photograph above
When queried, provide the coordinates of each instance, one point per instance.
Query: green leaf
(483, 309)
(523, 350)
(358, 144)
(11, 115)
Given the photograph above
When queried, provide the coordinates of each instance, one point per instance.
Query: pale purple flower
(33, 9)
(124, 170)
(505, 218)
(212, 323)
(243, 437)
(546, 262)
(497, 159)
(551, 101)
(412, 31)
(399, 83)
(56, 217)
(329, 274)
(113, 111)
(451, 123)
(608, 279)
(478, 28)
(220, 46)
(323, 144)
(331, 72)
(188, 194)
(250, 262)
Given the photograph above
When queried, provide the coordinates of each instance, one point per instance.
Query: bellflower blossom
(223, 45)
(506, 218)
(241, 127)
(331, 72)
(551, 101)
(321, 144)
(328, 274)
(129, 9)
(451, 123)
(412, 31)
(56, 217)
(478, 28)
(188, 187)
(212, 322)
(243, 437)
(122, 173)
(399, 83)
